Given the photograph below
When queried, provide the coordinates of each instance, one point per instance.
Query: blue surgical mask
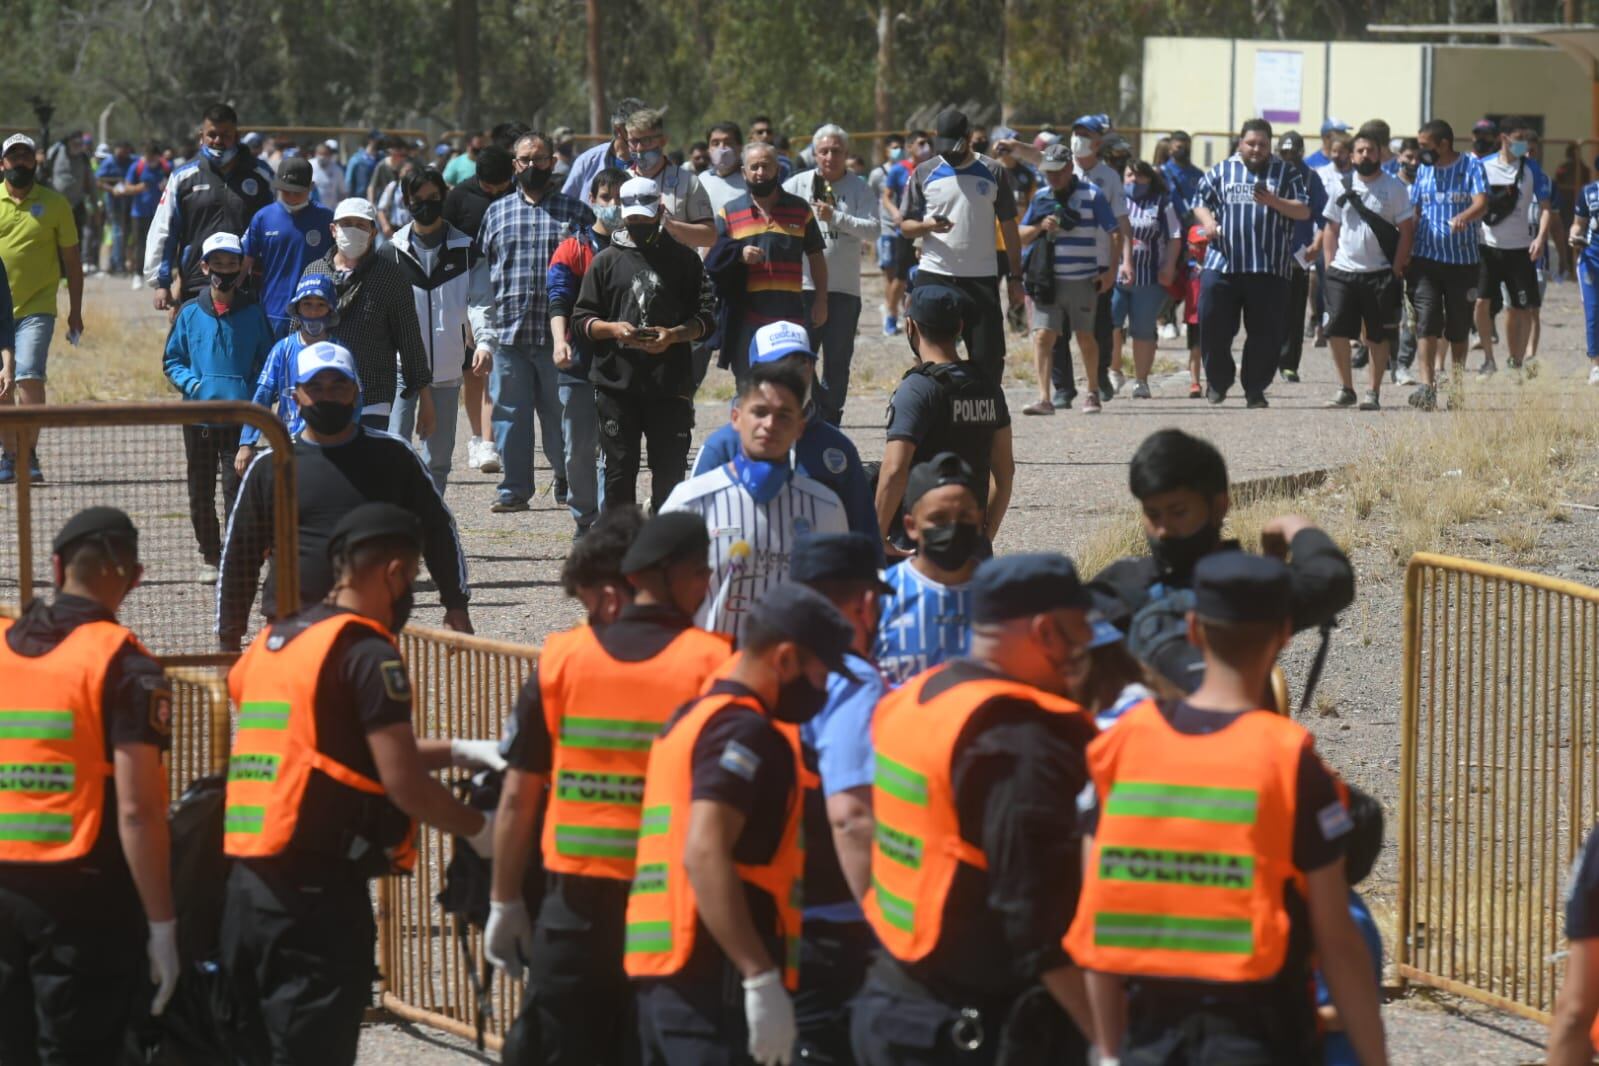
(1136, 190)
(222, 158)
(609, 216)
(895, 155)
(648, 159)
(1519, 148)
(314, 327)
(762, 480)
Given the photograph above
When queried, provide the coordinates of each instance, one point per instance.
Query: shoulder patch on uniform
(1334, 820)
(739, 760)
(396, 682)
(161, 711)
(888, 416)
(835, 460)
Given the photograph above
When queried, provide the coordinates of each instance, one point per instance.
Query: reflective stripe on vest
(1186, 877)
(275, 746)
(917, 847)
(53, 766)
(662, 912)
(604, 713)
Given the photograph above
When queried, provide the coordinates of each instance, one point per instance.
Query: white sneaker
(1403, 376)
(488, 458)
(1593, 374)
(1168, 332)
(1117, 380)
(206, 575)
(138, 283)
(474, 448)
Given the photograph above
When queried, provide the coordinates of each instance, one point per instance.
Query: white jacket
(441, 297)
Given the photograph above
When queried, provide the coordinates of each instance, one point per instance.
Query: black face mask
(1367, 168)
(762, 188)
(1428, 157)
(1483, 146)
(401, 611)
(427, 212)
(955, 159)
(534, 178)
(798, 701)
(19, 177)
(329, 417)
(224, 281)
(643, 235)
(949, 547)
(1179, 555)
(1180, 154)
(1408, 170)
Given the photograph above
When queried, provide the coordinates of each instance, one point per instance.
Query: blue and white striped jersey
(1587, 209)
(750, 542)
(1084, 250)
(923, 624)
(1255, 239)
(1155, 222)
(1439, 194)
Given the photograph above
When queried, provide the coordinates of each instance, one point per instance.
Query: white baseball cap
(17, 139)
(640, 197)
(356, 207)
(778, 339)
(221, 242)
(331, 145)
(324, 355)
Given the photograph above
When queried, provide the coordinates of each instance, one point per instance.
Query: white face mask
(1081, 145)
(294, 209)
(351, 241)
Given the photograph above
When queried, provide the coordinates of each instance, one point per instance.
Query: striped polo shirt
(923, 624)
(1084, 250)
(773, 289)
(1439, 194)
(1255, 239)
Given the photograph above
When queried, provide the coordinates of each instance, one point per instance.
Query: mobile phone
(647, 333)
(941, 219)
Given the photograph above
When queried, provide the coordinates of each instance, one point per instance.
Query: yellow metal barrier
(465, 687)
(1498, 785)
(202, 728)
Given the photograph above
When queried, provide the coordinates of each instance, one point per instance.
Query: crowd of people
(1045, 814)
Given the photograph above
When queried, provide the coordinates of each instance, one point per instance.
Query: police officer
(84, 878)
(836, 942)
(976, 862)
(584, 722)
(325, 785)
(1180, 482)
(1216, 857)
(944, 404)
(715, 900)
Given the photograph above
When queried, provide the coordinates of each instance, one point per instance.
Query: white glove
(508, 938)
(476, 755)
(162, 948)
(482, 841)
(769, 1012)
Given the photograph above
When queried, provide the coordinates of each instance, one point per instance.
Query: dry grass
(118, 359)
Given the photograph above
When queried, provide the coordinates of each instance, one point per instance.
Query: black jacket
(377, 318)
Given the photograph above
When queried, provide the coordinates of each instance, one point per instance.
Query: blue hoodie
(212, 357)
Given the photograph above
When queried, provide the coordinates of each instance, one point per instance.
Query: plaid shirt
(518, 238)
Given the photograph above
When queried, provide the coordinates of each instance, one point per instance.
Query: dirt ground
(1070, 490)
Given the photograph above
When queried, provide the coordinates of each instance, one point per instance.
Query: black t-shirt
(1582, 893)
(136, 708)
(949, 407)
(464, 208)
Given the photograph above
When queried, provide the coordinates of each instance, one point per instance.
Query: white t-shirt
(682, 194)
(1386, 196)
(722, 189)
(855, 219)
(1510, 231)
(1108, 181)
(973, 197)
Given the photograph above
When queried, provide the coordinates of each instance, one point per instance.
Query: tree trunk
(597, 115)
(467, 101)
(882, 102)
(1504, 14)
(1007, 100)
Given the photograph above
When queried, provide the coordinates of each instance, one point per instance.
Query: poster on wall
(1279, 81)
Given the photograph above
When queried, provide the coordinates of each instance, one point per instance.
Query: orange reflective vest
(604, 713)
(275, 746)
(1193, 851)
(919, 846)
(662, 912)
(53, 766)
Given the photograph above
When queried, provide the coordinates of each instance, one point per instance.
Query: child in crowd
(1197, 244)
(312, 306)
(1365, 844)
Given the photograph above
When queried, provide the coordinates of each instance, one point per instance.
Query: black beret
(945, 468)
(107, 522)
(1235, 586)
(666, 538)
(372, 520)
(835, 557)
(806, 617)
(1019, 586)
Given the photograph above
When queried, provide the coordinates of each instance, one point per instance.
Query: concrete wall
(1470, 81)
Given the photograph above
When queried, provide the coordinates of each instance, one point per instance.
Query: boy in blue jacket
(315, 306)
(218, 344)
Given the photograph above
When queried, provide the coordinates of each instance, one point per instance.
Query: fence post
(1407, 764)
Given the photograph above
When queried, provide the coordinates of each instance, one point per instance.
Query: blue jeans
(438, 449)
(524, 381)
(834, 344)
(33, 346)
(1588, 278)
(585, 478)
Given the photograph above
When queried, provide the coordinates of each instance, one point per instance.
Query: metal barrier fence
(1498, 785)
(202, 727)
(465, 687)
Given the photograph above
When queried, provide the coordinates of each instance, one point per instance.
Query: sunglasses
(645, 200)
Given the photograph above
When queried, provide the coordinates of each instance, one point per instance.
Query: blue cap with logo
(777, 340)
(1095, 124)
(324, 355)
(1334, 125)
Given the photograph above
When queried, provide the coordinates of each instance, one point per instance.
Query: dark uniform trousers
(833, 961)
(1216, 1034)
(73, 976)
(298, 954)
(693, 1021)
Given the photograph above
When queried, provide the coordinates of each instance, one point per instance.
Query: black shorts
(1444, 296)
(904, 257)
(1193, 335)
(1514, 269)
(1369, 300)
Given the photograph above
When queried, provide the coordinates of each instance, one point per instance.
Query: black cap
(104, 522)
(1291, 142)
(666, 538)
(949, 129)
(1020, 586)
(803, 615)
(941, 308)
(945, 468)
(1236, 586)
(835, 557)
(294, 174)
(370, 521)
(1178, 135)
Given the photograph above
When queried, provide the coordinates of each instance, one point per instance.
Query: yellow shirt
(32, 234)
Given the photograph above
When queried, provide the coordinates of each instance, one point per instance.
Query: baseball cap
(1115, 142)
(1237, 586)
(1057, 156)
(105, 522)
(778, 339)
(356, 207)
(640, 198)
(324, 355)
(1334, 125)
(315, 285)
(806, 617)
(372, 520)
(442, 149)
(294, 175)
(1196, 235)
(1291, 142)
(331, 144)
(19, 139)
(945, 468)
(220, 242)
(253, 139)
(1002, 133)
(1485, 125)
(666, 538)
(1045, 138)
(561, 135)
(941, 308)
(1095, 124)
(848, 556)
(1019, 586)
(949, 129)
